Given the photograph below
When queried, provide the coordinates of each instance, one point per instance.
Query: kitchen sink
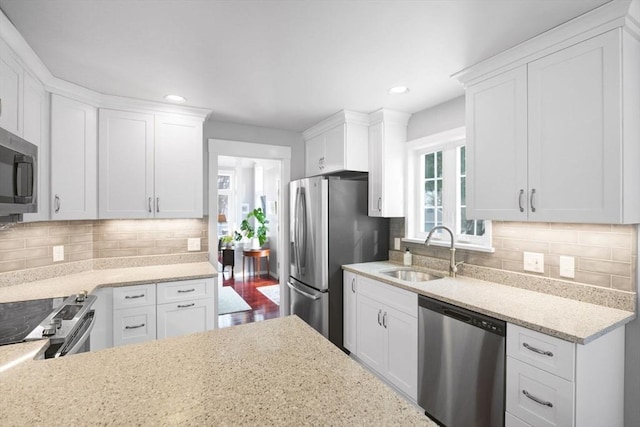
(410, 275)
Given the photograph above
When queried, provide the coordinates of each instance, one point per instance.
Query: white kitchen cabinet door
(73, 159)
(11, 82)
(349, 295)
(102, 332)
(314, 156)
(376, 135)
(335, 142)
(185, 317)
(36, 131)
(401, 358)
(575, 150)
(371, 336)
(178, 167)
(134, 325)
(126, 166)
(496, 119)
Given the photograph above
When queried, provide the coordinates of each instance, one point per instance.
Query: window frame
(447, 142)
(231, 194)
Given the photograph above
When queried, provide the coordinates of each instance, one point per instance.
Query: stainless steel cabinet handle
(384, 320)
(133, 296)
(353, 285)
(157, 204)
(135, 327)
(520, 200)
(533, 192)
(184, 291)
(57, 203)
(379, 314)
(379, 204)
(150, 205)
(536, 350)
(537, 400)
(186, 305)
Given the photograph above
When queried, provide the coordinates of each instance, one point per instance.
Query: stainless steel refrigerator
(329, 227)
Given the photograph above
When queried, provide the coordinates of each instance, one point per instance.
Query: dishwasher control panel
(489, 325)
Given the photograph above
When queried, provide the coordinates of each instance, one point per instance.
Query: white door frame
(224, 147)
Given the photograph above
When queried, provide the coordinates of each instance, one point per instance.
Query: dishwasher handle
(456, 315)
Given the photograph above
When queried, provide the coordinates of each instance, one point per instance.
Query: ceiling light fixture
(175, 98)
(398, 90)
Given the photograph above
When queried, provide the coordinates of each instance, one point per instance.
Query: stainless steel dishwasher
(460, 365)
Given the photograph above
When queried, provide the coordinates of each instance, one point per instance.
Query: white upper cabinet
(126, 164)
(11, 81)
(150, 166)
(36, 131)
(551, 139)
(387, 138)
(178, 167)
(339, 143)
(73, 159)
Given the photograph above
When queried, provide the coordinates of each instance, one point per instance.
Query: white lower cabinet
(350, 283)
(554, 383)
(386, 331)
(134, 325)
(185, 307)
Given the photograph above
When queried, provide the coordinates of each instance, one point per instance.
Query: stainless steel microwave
(18, 177)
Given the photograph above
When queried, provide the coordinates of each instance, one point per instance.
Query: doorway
(245, 177)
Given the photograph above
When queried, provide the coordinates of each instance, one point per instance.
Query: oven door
(78, 341)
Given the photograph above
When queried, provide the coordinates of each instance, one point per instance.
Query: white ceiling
(283, 64)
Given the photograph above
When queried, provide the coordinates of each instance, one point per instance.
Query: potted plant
(227, 240)
(249, 231)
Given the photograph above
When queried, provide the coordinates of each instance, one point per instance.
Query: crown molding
(34, 65)
(389, 116)
(612, 15)
(339, 118)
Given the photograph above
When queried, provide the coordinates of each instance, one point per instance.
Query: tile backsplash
(30, 245)
(605, 255)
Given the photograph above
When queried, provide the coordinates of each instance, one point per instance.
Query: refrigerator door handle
(305, 294)
(296, 232)
(303, 256)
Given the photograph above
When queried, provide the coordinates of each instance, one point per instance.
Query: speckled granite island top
(276, 372)
(90, 280)
(571, 320)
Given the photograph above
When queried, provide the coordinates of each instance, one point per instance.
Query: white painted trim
(221, 147)
(30, 61)
(389, 116)
(339, 118)
(607, 17)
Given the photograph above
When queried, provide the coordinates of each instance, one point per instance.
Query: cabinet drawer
(538, 397)
(134, 296)
(400, 299)
(184, 290)
(134, 325)
(185, 317)
(511, 421)
(543, 351)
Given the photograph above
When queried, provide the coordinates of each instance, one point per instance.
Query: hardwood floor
(262, 307)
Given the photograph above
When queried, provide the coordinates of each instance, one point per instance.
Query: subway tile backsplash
(605, 255)
(30, 245)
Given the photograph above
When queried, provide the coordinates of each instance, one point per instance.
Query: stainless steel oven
(18, 177)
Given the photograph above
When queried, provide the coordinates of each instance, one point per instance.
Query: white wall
(260, 135)
(446, 116)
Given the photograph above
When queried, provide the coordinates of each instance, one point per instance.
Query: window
(437, 193)
(226, 211)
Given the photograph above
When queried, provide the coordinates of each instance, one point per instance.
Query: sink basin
(410, 275)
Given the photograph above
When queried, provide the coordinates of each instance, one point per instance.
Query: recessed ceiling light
(398, 90)
(175, 98)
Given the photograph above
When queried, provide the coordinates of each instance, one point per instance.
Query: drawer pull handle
(186, 305)
(134, 296)
(135, 327)
(353, 285)
(537, 350)
(184, 291)
(535, 399)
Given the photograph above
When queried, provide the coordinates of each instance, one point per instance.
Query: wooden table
(255, 254)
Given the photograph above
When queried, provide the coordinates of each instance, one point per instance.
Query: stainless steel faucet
(453, 266)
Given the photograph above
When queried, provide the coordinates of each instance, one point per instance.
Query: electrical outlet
(193, 244)
(567, 267)
(58, 253)
(534, 262)
(396, 243)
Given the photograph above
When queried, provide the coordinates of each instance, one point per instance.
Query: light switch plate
(567, 267)
(534, 261)
(396, 243)
(58, 253)
(193, 244)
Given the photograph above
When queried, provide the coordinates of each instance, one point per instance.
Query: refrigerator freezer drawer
(310, 305)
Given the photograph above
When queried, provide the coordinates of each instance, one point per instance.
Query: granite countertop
(91, 280)
(275, 372)
(571, 320)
